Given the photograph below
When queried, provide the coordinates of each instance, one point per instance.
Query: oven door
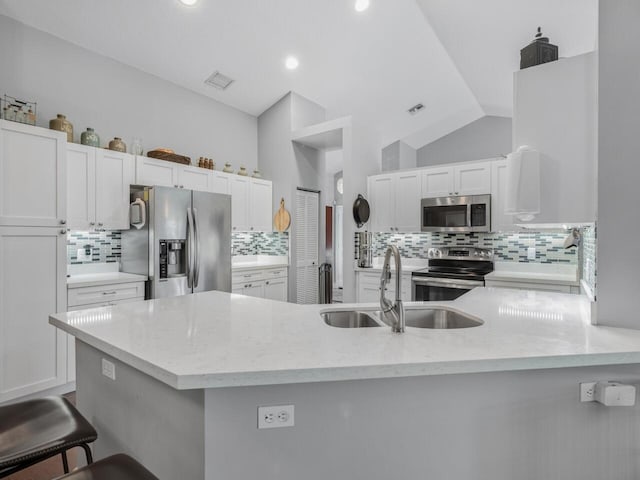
(427, 289)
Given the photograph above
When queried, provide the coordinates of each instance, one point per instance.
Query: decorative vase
(90, 137)
(61, 124)
(117, 145)
(136, 146)
(243, 171)
(256, 174)
(227, 168)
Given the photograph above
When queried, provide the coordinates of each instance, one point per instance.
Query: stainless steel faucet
(393, 312)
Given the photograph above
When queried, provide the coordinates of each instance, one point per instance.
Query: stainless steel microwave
(471, 213)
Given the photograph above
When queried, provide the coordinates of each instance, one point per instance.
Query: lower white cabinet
(33, 267)
(81, 298)
(368, 287)
(269, 283)
(542, 287)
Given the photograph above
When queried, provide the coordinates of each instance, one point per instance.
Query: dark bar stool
(35, 430)
(116, 467)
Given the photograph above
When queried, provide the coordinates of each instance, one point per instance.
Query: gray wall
(118, 100)
(618, 167)
(486, 137)
(291, 165)
(398, 156)
(526, 425)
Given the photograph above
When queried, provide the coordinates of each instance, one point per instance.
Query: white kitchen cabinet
(115, 172)
(240, 198)
(500, 221)
(395, 202)
(156, 172)
(194, 178)
(81, 298)
(261, 205)
(220, 182)
(98, 188)
(465, 179)
(33, 176)
(368, 287)
(33, 353)
(269, 283)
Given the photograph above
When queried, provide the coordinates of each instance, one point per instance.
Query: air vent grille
(218, 80)
(415, 109)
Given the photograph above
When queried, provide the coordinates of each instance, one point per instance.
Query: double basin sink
(429, 317)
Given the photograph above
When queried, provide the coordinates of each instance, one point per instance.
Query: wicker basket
(169, 157)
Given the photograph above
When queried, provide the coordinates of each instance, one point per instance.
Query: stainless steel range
(452, 272)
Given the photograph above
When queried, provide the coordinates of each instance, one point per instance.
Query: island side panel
(525, 425)
(161, 427)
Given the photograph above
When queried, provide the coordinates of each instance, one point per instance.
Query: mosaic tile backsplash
(103, 247)
(509, 247)
(260, 243)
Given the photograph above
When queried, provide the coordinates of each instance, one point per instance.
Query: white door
(307, 231)
(33, 176)
(156, 172)
(33, 269)
(499, 220)
(407, 192)
(474, 179)
(239, 203)
(81, 177)
(220, 182)
(437, 182)
(381, 197)
(261, 210)
(194, 178)
(276, 289)
(114, 176)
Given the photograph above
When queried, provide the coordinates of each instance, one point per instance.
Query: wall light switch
(531, 253)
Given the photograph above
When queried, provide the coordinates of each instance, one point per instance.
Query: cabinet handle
(175, 186)
(234, 228)
(247, 276)
(100, 224)
(181, 186)
(456, 193)
(251, 228)
(92, 223)
(109, 293)
(391, 228)
(63, 222)
(267, 282)
(63, 232)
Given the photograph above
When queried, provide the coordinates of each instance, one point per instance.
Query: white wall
(618, 282)
(487, 137)
(118, 100)
(398, 156)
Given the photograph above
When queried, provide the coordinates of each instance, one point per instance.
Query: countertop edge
(531, 278)
(130, 278)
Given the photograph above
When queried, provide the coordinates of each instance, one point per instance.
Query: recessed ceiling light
(291, 63)
(361, 5)
(189, 3)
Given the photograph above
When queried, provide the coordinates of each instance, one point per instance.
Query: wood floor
(51, 468)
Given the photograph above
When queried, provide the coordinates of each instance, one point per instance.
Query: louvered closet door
(307, 221)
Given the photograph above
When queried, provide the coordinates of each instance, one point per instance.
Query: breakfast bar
(177, 382)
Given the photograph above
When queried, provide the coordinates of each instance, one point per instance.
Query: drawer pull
(109, 293)
(247, 276)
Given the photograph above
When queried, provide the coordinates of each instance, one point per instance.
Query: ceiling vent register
(415, 109)
(219, 81)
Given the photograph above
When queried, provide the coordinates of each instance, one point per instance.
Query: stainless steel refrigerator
(180, 239)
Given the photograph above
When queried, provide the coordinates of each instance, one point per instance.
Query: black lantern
(537, 52)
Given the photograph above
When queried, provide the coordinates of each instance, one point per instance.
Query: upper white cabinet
(395, 202)
(468, 179)
(499, 220)
(98, 188)
(32, 176)
(251, 198)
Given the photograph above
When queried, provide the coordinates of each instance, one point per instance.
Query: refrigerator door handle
(190, 248)
(196, 258)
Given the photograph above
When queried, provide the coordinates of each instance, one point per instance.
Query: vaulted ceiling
(457, 57)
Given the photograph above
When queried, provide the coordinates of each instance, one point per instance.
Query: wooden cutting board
(282, 219)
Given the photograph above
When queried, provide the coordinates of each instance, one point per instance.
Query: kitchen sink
(349, 319)
(439, 318)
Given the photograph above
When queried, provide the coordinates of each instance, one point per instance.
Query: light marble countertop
(535, 273)
(217, 339)
(252, 262)
(90, 275)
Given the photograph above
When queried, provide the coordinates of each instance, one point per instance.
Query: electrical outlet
(531, 253)
(108, 369)
(82, 255)
(587, 392)
(276, 416)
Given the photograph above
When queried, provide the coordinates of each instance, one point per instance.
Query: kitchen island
(191, 371)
